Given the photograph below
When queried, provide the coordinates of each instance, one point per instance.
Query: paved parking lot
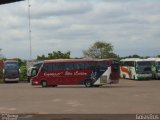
(126, 97)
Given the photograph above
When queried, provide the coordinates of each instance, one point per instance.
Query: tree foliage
(158, 56)
(23, 72)
(100, 49)
(135, 56)
(55, 55)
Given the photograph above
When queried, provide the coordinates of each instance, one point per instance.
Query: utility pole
(30, 37)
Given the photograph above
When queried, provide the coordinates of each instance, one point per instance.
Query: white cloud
(132, 26)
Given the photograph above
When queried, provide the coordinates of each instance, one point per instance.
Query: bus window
(101, 64)
(89, 65)
(47, 67)
(69, 66)
(58, 66)
(79, 66)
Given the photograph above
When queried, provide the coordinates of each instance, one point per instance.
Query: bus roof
(138, 60)
(153, 59)
(70, 60)
(132, 59)
(38, 62)
(10, 61)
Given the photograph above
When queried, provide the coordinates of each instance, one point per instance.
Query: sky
(131, 26)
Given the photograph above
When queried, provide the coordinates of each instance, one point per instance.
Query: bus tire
(96, 85)
(44, 83)
(4, 81)
(134, 77)
(54, 85)
(88, 83)
(28, 80)
(124, 77)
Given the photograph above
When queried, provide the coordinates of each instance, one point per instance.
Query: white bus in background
(155, 67)
(135, 68)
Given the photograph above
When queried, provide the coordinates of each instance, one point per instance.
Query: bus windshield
(34, 72)
(158, 66)
(143, 63)
(11, 73)
(158, 63)
(11, 65)
(143, 67)
(37, 65)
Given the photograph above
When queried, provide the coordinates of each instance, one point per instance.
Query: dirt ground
(127, 97)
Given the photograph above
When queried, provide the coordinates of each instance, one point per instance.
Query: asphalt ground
(127, 97)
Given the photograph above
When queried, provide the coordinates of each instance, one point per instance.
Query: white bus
(135, 68)
(155, 67)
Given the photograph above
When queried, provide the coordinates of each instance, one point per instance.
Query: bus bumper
(157, 75)
(11, 79)
(35, 82)
(144, 76)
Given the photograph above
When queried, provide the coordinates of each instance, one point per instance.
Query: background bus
(155, 67)
(71, 72)
(1, 69)
(135, 68)
(11, 71)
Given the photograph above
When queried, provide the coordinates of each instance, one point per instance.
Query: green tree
(100, 49)
(23, 72)
(55, 55)
(158, 56)
(23, 69)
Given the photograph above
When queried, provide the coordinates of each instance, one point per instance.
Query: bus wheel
(124, 77)
(44, 83)
(134, 77)
(96, 85)
(88, 83)
(54, 85)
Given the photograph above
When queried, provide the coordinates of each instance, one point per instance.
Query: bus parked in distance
(11, 71)
(30, 69)
(1, 69)
(155, 67)
(113, 72)
(135, 68)
(71, 72)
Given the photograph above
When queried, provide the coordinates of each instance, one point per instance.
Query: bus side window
(47, 67)
(101, 64)
(44, 68)
(69, 66)
(57, 66)
(79, 66)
